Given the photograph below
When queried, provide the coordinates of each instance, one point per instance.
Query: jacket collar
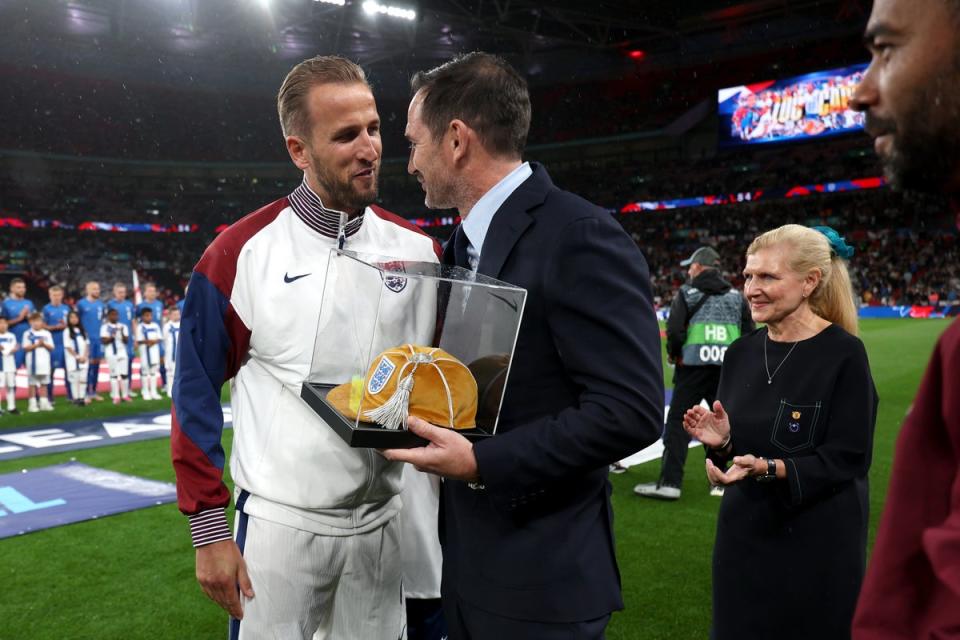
(309, 208)
(512, 219)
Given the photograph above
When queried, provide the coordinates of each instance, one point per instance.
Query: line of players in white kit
(114, 336)
(37, 345)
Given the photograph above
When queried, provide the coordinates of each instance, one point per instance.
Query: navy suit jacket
(585, 390)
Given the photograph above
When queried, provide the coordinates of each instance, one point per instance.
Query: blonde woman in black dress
(794, 421)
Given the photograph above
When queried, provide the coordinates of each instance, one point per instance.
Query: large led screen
(799, 108)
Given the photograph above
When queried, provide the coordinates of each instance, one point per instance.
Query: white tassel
(394, 412)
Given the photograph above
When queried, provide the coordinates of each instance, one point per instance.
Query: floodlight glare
(371, 7)
(339, 3)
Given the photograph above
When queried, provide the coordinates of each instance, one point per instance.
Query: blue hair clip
(838, 245)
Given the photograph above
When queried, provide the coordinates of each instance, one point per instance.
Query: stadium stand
(876, 221)
(116, 154)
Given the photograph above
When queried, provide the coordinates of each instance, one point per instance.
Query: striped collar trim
(309, 208)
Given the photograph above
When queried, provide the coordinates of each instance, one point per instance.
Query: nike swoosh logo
(288, 279)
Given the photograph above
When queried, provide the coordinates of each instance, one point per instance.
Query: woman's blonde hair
(810, 249)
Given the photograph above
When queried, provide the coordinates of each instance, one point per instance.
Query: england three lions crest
(394, 282)
(381, 376)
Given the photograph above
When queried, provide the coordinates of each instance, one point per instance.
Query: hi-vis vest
(713, 328)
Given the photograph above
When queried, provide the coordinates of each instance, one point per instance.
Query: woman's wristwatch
(771, 473)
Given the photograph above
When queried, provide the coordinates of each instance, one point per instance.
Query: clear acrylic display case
(372, 303)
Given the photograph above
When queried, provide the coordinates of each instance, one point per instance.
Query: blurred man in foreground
(911, 95)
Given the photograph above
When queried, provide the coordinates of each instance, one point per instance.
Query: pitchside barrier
(59, 381)
(909, 311)
(913, 311)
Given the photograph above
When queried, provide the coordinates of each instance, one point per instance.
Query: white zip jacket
(251, 317)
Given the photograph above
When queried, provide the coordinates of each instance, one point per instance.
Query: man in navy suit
(527, 527)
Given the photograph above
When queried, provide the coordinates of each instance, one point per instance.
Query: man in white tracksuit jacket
(316, 547)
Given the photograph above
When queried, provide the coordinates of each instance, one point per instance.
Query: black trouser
(425, 619)
(690, 385)
(466, 622)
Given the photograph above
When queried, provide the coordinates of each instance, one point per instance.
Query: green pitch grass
(64, 411)
(131, 576)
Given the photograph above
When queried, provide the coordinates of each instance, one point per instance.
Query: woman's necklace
(766, 364)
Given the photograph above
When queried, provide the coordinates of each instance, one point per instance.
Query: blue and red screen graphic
(802, 107)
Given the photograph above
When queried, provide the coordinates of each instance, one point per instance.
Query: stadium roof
(248, 44)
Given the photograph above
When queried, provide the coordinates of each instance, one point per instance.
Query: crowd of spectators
(180, 194)
(906, 246)
(907, 251)
(618, 180)
(73, 258)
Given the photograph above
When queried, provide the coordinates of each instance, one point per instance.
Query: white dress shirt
(476, 223)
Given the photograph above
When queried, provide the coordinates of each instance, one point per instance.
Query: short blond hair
(292, 98)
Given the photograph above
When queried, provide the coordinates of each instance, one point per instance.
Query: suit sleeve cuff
(209, 526)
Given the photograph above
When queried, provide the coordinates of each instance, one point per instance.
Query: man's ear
(298, 152)
(458, 140)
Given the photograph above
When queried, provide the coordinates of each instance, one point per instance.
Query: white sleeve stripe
(205, 518)
(209, 514)
(202, 542)
(209, 526)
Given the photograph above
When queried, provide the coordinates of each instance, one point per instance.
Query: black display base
(367, 434)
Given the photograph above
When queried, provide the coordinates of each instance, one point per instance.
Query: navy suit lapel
(511, 220)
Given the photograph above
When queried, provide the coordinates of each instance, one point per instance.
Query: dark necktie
(460, 244)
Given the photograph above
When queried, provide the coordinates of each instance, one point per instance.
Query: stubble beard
(443, 194)
(343, 195)
(925, 154)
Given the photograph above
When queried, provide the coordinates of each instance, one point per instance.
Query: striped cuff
(209, 526)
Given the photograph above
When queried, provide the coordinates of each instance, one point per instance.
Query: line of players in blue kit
(77, 339)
